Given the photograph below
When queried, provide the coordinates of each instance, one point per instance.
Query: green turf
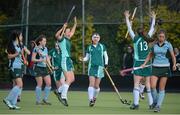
(107, 103)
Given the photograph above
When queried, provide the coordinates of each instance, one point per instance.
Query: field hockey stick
(123, 101)
(46, 62)
(70, 13)
(123, 72)
(23, 59)
(131, 20)
(178, 66)
(67, 20)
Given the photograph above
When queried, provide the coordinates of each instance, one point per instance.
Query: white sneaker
(16, 107)
(7, 102)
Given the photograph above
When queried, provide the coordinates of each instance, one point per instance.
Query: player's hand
(174, 67)
(65, 25)
(153, 14)
(126, 13)
(143, 65)
(106, 66)
(80, 58)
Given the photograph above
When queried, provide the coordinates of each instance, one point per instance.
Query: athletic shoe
(7, 102)
(91, 103)
(151, 106)
(15, 107)
(142, 96)
(58, 94)
(44, 102)
(63, 101)
(94, 99)
(157, 109)
(39, 103)
(19, 99)
(133, 107)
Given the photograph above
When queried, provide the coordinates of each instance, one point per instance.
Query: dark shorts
(41, 71)
(16, 73)
(161, 71)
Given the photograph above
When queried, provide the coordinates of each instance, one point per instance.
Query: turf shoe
(133, 107)
(44, 102)
(39, 103)
(142, 96)
(91, 103)
(15, 107)
(7, 102)
(63, 100)
(19, 99)
(157, 109)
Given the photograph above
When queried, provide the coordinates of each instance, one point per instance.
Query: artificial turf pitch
(107, 103)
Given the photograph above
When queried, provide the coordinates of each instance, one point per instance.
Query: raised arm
(60, 32)
(131, 33)
(73, 28)
(151, 31)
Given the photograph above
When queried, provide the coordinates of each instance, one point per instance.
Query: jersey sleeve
(104, 48)
(35, 50)
(170, 47)
(88, 49)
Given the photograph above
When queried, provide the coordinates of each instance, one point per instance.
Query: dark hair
(140, 31)
(40, 38)
(10, 47)
(162, 32)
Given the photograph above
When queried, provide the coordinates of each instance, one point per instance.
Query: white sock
(136, 95)
(90, 93)
(141, 88)
(150, 99)
(60, 89)
(96, 92)
(64, 91)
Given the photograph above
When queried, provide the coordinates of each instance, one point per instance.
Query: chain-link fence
(35, 17)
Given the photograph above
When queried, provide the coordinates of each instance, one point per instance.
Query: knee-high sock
(150, 99)
(154, 95)
(47, 90)
(90, 93)
(136, 95)
(96, 92)
(64, 91)
(141, 88)
(38, 91)
(160, 97)
(13, 95)
(60, 89)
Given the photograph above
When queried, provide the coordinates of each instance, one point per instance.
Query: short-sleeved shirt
(41, 53)
(160, 54)
(55, 57)
(96, 54)
(141, 49)
(17, 61)
(65, 46)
